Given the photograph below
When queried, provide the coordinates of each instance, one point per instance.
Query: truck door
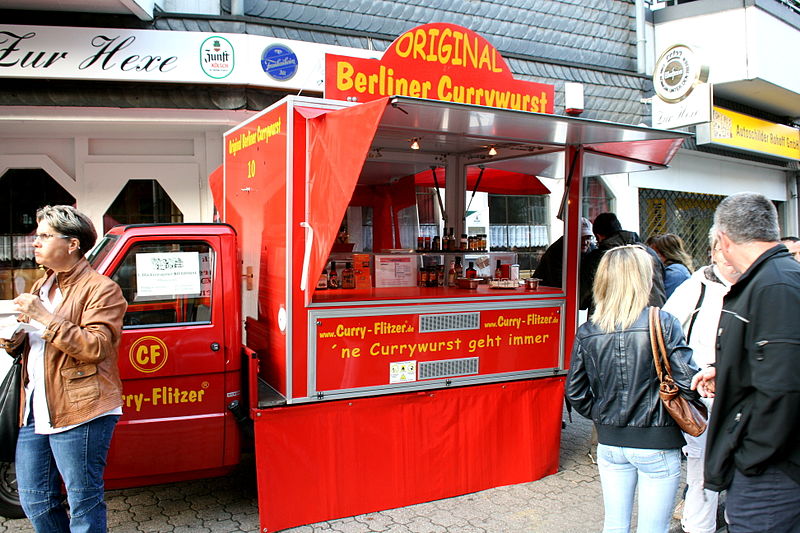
(171, 359)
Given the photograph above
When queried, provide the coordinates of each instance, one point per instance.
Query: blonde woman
(613, 381)
(677, 262)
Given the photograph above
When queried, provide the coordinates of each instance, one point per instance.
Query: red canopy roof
(494, 181)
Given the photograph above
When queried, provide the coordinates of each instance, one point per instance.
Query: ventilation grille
(449, 322)
(449, 368)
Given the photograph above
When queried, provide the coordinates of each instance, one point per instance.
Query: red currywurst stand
(391, 394)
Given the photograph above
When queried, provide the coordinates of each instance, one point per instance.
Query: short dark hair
(606, 224)
(747, 217)
(68, 221)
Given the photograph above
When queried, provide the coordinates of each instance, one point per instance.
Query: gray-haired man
(753, 444)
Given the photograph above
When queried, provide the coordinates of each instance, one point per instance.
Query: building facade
(120, 108)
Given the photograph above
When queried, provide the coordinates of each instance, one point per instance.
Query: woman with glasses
(71, 386)
(612, 380)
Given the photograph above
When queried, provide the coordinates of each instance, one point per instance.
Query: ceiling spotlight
(492, 151)
(415, 144)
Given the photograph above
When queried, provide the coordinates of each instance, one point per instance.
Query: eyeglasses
(44, 237)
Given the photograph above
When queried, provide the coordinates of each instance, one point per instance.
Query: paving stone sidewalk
(569, 501)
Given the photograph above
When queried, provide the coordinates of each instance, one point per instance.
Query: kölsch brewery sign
(682, 95)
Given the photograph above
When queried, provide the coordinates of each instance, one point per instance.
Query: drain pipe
(641, 39)
(237, 8)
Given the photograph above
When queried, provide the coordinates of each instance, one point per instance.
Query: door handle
(215, 346)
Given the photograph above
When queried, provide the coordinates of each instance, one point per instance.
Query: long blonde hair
(622, 287)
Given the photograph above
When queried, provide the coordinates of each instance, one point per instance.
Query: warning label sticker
(403, 372)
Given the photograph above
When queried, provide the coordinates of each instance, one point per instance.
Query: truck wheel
(9, 497)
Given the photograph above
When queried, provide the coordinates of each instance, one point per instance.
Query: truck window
(167, 283)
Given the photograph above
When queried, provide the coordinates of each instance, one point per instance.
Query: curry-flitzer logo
(279, 62)
(677, 72)
(216, 57)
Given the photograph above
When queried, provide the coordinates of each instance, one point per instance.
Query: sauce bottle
(471, 272)
(333, 277)
(348, 277)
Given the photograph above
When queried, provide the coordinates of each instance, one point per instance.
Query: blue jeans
(78, 456)
(656, 472)
(767, 502)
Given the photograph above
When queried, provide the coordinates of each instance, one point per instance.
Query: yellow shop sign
(744, 132)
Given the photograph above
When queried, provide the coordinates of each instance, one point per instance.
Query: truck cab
(179, 356)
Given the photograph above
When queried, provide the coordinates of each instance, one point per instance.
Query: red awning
(494, 181)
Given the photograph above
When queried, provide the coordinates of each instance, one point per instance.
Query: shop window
(24, 191)
(167, 283)
(597, 198)
(427, 213)
(141, 202)
(519, 224)
(688, 215)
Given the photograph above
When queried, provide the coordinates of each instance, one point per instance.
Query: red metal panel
(360, 351)
(255, 204)
(170, 415)
(350, 457)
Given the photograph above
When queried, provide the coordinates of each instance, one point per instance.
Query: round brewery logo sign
(216, 57)
(279, 62)
(677, 72)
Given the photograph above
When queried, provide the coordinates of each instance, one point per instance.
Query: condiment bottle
(471, 272)
(498, 271)
(451, 275)
(333, 277)
(458, 267)
(348, 277)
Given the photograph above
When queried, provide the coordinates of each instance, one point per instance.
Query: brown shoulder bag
(690, 417)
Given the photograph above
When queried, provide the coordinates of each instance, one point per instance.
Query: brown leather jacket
(80, 361)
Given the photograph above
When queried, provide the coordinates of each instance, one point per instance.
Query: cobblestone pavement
(569, 501)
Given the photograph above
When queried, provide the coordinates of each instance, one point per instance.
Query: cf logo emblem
(148, 354)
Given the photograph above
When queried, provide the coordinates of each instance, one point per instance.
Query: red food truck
(393, 386)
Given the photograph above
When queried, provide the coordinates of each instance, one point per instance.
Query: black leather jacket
(754, 423)
(613, 381)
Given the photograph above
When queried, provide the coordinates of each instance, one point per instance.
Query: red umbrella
(494, 181)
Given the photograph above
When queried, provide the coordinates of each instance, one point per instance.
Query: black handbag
(9, 411)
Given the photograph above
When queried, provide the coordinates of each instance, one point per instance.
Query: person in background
(609, 233)
(697, 304)
(793, 245)
(71, 388)
(551, 264)
(753, 442)
(612, 380)
(677, 262)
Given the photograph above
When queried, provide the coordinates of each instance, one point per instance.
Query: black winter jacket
(612, 380)
(754, 423)
(591, 260)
